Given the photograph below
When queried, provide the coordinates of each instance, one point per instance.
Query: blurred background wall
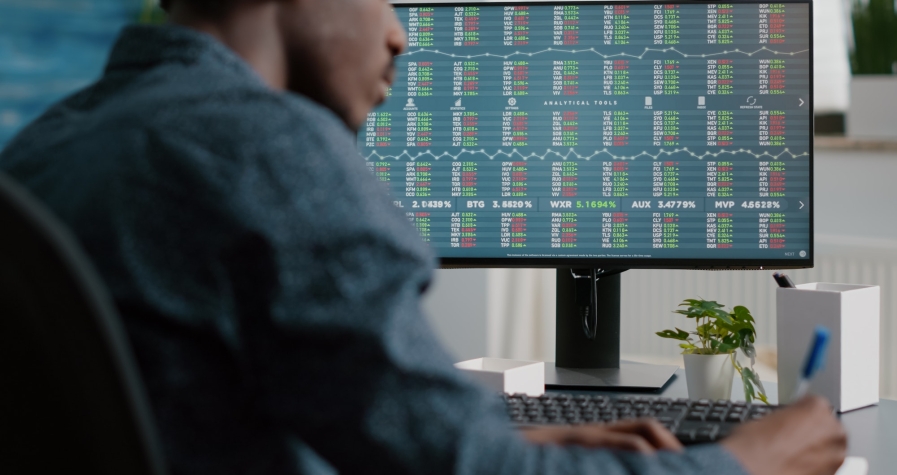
(50, 48)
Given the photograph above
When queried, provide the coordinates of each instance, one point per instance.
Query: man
(271, 291)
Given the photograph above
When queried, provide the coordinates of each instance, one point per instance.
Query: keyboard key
(685, 435)
(695, 416)
(715, 417)
(706, 434)
(735, 417)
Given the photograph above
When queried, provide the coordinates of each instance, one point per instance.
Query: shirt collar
(145, 46)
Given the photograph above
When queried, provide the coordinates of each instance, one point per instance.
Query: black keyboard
(693, 422)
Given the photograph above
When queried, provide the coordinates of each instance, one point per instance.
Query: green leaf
(677, 335)
(748, 387)
(743, 314)
(688, 348)
(755, 378)
(726, 348)
(725, 318)
(709, 304)
(750, 352)
(704, 330)
(747, 345)
(734, 327)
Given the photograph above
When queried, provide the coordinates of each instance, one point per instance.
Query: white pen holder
(507, 376)
(849, 377)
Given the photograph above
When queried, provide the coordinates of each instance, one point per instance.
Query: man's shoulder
(189, 108)
(249, 123)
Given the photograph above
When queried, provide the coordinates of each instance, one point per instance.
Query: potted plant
(710, 350)
(873, 63)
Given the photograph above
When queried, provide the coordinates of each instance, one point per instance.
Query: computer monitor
(595, 137)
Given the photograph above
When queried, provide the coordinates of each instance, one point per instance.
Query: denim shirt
(270, 289)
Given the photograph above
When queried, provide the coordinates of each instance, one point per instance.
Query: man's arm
(346, 361)
(285, 295)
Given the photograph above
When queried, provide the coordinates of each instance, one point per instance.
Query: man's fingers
(814, 403)
(642, 435)
(652, 431)
(616, 440)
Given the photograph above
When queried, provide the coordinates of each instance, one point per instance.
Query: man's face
(341, 52)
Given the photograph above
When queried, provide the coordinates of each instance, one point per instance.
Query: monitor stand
(583, 363)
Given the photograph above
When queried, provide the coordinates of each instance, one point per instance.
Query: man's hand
(804, 438)
(641, 435)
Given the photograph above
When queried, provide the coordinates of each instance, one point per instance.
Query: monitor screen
(602, 134)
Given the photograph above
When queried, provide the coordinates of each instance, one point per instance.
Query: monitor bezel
(644, 263)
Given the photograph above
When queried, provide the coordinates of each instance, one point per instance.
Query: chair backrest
(71, 400)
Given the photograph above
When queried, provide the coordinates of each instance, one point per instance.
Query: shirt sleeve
(339, 348)
(272, 293)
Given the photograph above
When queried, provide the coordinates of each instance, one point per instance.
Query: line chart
(577, 156)
(605, 56)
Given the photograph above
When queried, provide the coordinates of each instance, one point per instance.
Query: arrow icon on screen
(801, 102)
(801, 204)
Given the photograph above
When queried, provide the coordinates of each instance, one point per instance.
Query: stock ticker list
(635, 130)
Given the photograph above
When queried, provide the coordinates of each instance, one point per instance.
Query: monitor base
(629, 376)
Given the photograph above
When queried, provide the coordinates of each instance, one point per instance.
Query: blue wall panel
(49, 49)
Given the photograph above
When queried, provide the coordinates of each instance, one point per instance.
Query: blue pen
(814, 361)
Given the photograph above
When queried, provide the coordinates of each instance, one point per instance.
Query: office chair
(71, 400)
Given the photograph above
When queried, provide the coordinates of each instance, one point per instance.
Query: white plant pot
(709, 376)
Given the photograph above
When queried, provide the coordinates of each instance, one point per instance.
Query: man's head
(337, 52)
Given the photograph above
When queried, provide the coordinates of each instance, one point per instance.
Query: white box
(849, 378)
(508, 376)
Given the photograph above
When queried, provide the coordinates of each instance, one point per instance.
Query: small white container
(709, 376)
(507, 376)
(849, 377)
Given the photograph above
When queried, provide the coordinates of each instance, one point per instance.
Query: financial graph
(647, 51)
(573, 155)
(657, 131)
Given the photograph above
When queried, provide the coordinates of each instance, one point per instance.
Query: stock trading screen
(665, 131)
